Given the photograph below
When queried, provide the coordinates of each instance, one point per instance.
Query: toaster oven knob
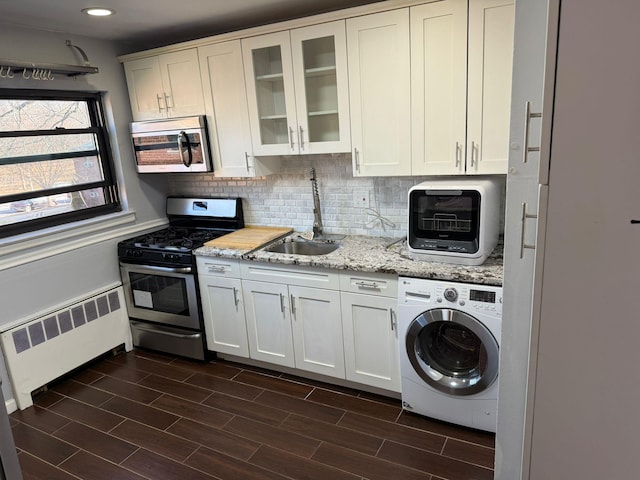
(451, 294)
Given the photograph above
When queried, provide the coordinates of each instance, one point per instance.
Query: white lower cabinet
(317, 330)
(369, 326)
(268, 316)
(336, 324)
(222, 306)
(294, 325)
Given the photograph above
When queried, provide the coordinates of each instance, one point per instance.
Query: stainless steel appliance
(159, 274)
(455, 221)
(172, 145)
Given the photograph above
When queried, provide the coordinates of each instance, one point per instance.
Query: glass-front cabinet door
(270, 93)
(297, 90)
(320, 73)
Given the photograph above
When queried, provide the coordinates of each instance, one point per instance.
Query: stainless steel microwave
(454, 221)
(171, 145)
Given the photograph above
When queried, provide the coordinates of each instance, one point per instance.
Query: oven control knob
(451, 294)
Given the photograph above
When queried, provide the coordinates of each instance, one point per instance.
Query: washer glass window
(452, 351)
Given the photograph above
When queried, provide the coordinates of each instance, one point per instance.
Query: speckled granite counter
(373, 254)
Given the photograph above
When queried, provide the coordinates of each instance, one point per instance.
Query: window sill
(33, 246)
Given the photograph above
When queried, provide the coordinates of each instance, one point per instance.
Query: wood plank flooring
(142, 415)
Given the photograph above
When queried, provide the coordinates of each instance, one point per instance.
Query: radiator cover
(43, 349)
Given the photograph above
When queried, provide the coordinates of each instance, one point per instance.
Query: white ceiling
(142, 24)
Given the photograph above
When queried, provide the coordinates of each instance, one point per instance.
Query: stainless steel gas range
(160, 279)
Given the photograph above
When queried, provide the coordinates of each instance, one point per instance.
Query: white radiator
(41, 350)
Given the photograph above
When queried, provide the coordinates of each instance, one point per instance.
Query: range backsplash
(285, 199)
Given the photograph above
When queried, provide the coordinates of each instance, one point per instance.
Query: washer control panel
(435, 293)
(478, 298)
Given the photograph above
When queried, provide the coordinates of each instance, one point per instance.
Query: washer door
(452, 351)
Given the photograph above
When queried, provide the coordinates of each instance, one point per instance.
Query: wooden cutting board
(249, 238)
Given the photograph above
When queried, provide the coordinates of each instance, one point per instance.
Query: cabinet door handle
(236, 299)
(301, 137)
(158, 99)
(216, 268)
(372, 285)
(458, 154)
(282, 303)
(291, 144)
(356, 156)
(246, 161)
(293, 306)
(523, 221)
(166, 101)
(394, 324)
(528, 115)
(474, 157)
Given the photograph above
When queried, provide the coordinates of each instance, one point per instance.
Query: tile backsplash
(286, 199)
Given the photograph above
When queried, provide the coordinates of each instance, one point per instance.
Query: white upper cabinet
(297, 90)
(379, 93)
(491, 24)
(439, 87)
(461, 86)
(165, 85)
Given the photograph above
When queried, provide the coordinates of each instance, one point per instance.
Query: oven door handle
(152, 268)
(164, 332)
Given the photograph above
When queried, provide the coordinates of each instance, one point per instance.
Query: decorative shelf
(46, 71)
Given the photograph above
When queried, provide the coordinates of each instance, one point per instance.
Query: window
(55, 160)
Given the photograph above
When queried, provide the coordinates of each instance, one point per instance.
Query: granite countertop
(376, 254)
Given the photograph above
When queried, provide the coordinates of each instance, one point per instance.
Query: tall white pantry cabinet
(582, 311)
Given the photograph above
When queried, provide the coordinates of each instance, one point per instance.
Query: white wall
(30, 286)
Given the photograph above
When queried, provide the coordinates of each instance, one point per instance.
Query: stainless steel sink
(303, 248)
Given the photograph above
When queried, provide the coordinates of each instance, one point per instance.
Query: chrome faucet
(317, 215)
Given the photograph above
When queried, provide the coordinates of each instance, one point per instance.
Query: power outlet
(361, 199)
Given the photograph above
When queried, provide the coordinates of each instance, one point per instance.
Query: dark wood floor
(142, 415)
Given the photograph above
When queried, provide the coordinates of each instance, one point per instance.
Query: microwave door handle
(184, 138)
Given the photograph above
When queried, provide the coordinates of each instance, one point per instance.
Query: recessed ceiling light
(98, 11)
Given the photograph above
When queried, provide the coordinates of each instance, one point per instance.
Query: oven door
(161, 294)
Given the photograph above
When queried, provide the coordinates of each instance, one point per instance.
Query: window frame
(103, 153)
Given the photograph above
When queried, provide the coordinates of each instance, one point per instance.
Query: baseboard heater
(40, 350)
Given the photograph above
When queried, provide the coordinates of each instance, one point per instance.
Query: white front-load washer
(449, 336)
